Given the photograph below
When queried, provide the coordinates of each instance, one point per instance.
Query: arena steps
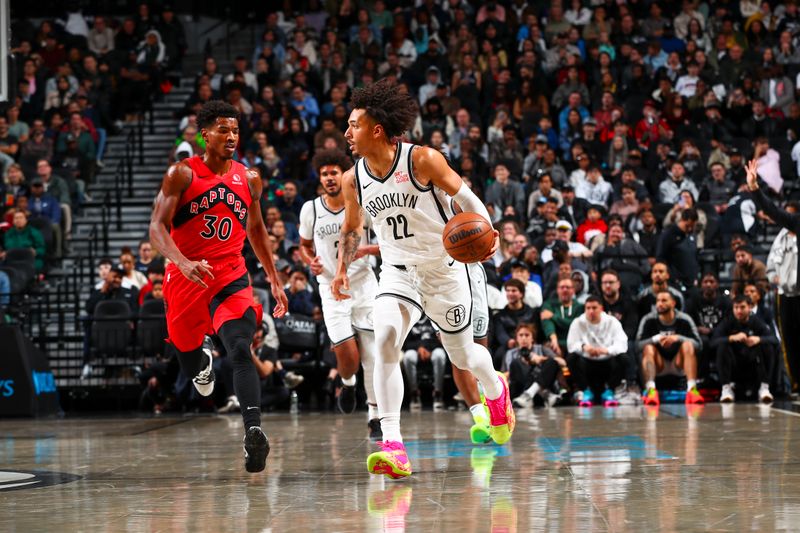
(65, 346)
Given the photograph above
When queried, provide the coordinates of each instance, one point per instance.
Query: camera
(525, 353)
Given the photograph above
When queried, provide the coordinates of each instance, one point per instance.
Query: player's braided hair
(331, 157)
(387, 105)
(213, 110)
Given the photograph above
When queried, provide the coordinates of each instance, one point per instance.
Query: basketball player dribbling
(405, 189)
(206, 207)
(345, 320)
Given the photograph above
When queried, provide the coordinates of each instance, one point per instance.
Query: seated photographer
(744, 342)
(595, 340)
(532, 368)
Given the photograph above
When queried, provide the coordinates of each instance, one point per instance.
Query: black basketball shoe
(375, 431)
(204, 381)
(256, 449)
(347, 400)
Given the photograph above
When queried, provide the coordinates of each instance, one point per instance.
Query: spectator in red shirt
(593, 225)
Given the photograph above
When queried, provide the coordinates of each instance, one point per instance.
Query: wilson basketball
(468, 237)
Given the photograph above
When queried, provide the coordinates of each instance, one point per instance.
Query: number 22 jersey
(408, 218)
(210, 221)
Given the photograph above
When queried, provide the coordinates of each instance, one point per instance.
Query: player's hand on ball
(316, 266)
(197, 270)
(340, 283)
(494, 247)
(281, 302)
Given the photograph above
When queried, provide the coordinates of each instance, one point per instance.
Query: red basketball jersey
(211, 218)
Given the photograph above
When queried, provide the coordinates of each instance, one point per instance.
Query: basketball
(468, 237)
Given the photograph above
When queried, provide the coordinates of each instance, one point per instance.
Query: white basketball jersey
(322, 225)
(407, 218)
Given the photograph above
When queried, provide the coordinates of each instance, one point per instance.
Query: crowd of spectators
(75, 80)
(608, 140)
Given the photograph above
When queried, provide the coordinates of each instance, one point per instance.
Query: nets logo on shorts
(456, 316)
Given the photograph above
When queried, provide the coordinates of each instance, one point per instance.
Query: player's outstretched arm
(350, 238)
(259, 239)
(176, 180)
(432, 167)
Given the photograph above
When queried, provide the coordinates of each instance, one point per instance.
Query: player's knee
(410, 357)
(438, 355)
(687, 348)
(649, 351)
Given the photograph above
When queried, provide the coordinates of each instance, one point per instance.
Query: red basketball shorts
(194, 312)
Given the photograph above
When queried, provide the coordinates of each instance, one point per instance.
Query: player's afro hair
(387, 105)
(213, 110)
(331, 157)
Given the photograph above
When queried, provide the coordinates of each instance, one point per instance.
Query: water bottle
(293, 403)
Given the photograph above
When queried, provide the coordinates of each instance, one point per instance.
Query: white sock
(533, 390)
(690, 384)
(372, 411)
(349, 382)
(765, 385)
(465, 353)
(650, 385)
(390, 426)
(366, 349)
(478, 412)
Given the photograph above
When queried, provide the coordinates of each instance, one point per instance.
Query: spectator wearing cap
(505, 321)
(504, 191)
(564, 233)
(432, 79)
(669, 191)
(592, 226)
(678, 248)
(113, 289)
(748, 270)
(24, 236)
(594, 189)
(573, 210)
(533, 165)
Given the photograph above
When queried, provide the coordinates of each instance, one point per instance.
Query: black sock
(193, 361)
(237, 335)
